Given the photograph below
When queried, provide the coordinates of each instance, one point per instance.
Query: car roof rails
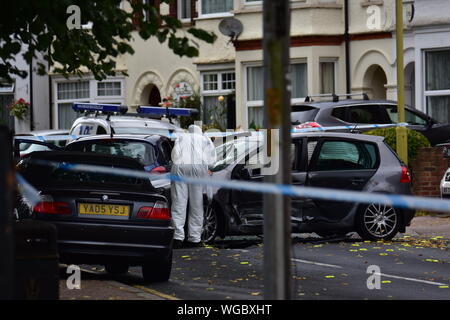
(169, 113)
(336, 96)
(99, 108)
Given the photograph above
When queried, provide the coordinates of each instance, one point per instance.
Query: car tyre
(157, 270)
(211, 224)
(377, 222)
(116, 268)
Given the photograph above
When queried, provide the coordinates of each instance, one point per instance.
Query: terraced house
(336, 46)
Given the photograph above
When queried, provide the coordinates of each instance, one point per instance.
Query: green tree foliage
(42, 27)
(416, 140)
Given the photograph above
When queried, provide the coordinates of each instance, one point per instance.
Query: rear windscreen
(301, 114)
(54, 173)
(143, 152)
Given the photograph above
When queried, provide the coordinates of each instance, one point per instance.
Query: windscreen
(301, 114)
(141, 151)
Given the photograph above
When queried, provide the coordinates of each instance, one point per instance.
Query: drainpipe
(348, 83)
(31, 95)
(50, 96)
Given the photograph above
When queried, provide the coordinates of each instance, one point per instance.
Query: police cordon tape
(226, 134)
(354, 127)
(394, 200)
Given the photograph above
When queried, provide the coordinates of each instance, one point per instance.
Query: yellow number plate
(104, 209)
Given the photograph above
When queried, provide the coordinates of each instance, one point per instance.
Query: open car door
(22, 147)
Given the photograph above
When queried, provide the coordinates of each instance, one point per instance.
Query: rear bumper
(92, 243)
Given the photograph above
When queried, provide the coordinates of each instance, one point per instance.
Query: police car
(114, 119)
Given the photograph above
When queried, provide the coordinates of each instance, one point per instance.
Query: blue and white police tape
(50, 138)
(217, 134)
(212, 134)
(395, 200)
(354, 127)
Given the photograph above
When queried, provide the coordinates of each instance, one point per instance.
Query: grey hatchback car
(341, 161)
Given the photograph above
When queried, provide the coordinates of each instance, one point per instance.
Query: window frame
(93, 96)
(214, 15)
(220, 90)
(109, 96)
(179, 10)
(335, 62)
(431, 93)
(312, 166)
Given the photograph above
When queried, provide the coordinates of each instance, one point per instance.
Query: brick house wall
(427, 171)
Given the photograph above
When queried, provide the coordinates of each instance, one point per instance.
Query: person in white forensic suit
(192, 156)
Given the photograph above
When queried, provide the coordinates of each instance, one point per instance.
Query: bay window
(437, 84)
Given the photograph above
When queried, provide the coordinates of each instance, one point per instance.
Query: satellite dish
(231, 27)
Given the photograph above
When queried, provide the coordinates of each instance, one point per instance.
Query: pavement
(94, 289)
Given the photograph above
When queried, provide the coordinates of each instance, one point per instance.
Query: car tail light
(406, 176)
(159, 211)
(159, 169)
(309, 124)
(52, 207)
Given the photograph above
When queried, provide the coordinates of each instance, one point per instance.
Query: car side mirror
(429, 122)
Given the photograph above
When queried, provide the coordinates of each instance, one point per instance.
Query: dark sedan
(339, 161)
(362, 112)
(102, 218)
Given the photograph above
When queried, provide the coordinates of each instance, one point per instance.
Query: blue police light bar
(104, 108)
(161, 111)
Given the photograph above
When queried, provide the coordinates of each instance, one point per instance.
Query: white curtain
(185, 9)
(66, 115)
(439, 107)
(255, 117)
(327, 77)
(73, 90)
(255, 84)
(299, 80)
(216, 6)
(438, 70)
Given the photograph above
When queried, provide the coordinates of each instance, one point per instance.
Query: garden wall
(427, 171)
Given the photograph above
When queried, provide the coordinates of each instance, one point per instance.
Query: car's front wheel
(378, 222)
(157, 270)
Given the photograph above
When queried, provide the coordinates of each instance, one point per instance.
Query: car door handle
(357, 180)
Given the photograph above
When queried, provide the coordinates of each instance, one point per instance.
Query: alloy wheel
(210, 224)
(380, 220)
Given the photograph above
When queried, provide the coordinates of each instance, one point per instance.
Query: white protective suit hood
(194, 148)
